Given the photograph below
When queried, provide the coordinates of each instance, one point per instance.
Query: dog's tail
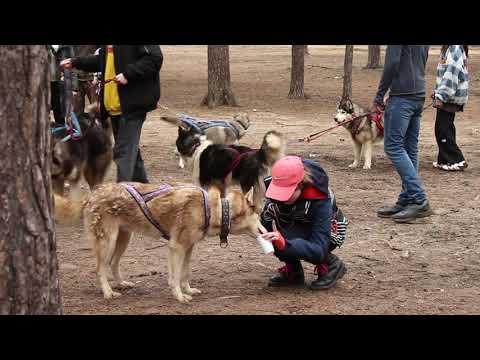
(174, 120)
(68, 211)
(273, 147)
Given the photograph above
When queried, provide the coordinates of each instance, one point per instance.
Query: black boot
(289, 275)
(388, 211)
(413, 211)
(335, 272)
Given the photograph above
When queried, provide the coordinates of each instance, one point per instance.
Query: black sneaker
(328, 280)
(388, 211)
(413, 211)
(288, 276)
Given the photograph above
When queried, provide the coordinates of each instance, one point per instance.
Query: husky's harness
(236, 160)
(375, 117)
(201, 125)
(143, 198)
(225, 227)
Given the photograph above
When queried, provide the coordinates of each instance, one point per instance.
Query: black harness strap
(225, 227)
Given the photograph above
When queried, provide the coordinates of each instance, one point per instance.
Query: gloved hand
(275, 237)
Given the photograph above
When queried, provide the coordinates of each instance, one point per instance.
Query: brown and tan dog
(90, 156)
(111, 215)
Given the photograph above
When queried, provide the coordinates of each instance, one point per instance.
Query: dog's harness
(377, 119)
(143, 198)
(236, 160)
(201, 125)
(225, 227)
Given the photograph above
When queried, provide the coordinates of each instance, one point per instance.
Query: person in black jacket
(304, 223)
(131, 88)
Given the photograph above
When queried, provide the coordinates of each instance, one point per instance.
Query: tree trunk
(297, 90)
(28, 260)
(306, 50)
(373, 57)
(347, 70)
(219, 88)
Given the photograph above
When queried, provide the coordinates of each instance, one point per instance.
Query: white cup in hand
(266, 246)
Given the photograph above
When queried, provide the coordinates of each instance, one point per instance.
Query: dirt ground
(431, 267)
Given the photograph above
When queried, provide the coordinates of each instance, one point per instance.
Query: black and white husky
(222, 165)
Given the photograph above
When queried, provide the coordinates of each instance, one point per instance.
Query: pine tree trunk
(28, 260)
(219, 86)
(347, 70)
(297, 89)
(373, 57)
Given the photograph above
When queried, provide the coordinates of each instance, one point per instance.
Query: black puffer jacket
(140, 64)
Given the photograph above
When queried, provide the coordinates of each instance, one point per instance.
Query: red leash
(318, 134)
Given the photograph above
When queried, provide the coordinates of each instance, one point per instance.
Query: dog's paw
(367, 166)
(353, 165)
(183, 298)
(126, 284)
(111, 294)
(192, 291)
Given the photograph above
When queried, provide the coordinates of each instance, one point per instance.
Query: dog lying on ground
(221, 165)
(224, 132)
(186, 214)
(364, 131)
(89, 156)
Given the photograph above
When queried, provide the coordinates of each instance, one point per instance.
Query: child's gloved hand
(275, 237)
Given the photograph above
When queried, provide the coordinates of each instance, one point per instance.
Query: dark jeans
(402, 128)
(445, 133)
(127, 129)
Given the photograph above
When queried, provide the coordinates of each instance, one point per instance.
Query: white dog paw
(126, 284)
(111, 294)
(367, 166)
(183, 298)
(192, 291)
(353, 165)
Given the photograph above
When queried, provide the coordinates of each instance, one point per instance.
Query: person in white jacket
(450, 96)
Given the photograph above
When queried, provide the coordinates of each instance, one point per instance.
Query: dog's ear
(249, 197)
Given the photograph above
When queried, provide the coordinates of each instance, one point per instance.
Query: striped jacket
(452, 76)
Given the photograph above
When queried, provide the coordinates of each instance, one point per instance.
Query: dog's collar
(194, 148)
(240, 123)
(225, 224)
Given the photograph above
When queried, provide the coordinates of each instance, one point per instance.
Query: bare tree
(373, 57)
(297, 89)
(219, 86)
(28, 260)
(347, 70)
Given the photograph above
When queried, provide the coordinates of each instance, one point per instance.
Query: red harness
(377, 119)
(236, 160)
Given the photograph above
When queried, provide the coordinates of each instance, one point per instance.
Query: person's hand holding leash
(120, 79)
(67, 64)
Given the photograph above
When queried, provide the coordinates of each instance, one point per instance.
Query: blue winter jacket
(308, 233)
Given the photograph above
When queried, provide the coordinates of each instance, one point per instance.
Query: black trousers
(57, 90)
(126, 151)
(445, 133)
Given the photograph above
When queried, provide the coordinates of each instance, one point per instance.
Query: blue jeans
(402, 128)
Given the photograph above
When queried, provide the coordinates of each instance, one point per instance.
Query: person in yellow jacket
(131, 89)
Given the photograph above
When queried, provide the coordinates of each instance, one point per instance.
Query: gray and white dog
(364, 131)
(191, 131)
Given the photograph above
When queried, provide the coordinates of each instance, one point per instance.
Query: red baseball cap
(287, 173)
